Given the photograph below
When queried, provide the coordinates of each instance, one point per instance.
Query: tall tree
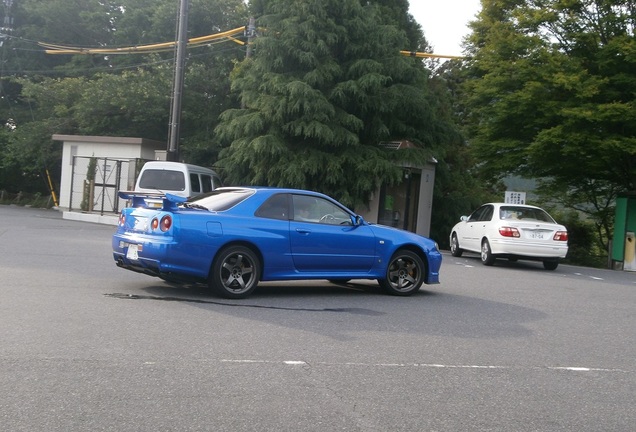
(122, 95)
(325, 86)
(552, 96)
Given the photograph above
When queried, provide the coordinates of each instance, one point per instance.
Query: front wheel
(487, 258)
(456, 251)
(404, 275)
(235, 272)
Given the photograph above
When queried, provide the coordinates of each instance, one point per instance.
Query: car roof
(176, 165)
(500, 204)
(272, 190)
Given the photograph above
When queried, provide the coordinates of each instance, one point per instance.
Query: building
(114, 163)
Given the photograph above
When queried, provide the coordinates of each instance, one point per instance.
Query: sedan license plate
(133, 252)
(539, 235)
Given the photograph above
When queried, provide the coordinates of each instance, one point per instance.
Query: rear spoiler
(169, 201)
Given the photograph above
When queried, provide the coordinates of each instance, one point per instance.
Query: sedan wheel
(487, 258)
(456, 251)
(550, 265)
(404, 275)
(235, 272)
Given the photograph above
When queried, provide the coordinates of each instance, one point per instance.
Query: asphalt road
(86, 346)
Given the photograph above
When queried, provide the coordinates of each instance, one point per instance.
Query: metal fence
(96, 181)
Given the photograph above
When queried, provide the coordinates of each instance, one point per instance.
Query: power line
(150, 48)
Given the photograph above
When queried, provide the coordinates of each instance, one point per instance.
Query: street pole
(172, 153)
(251, 32)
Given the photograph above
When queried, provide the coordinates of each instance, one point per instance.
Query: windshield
(222, 199)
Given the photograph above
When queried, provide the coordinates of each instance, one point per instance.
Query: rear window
(221, 200)
(162, 179)
(525, 213)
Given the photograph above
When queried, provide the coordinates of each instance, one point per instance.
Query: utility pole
(251, 32)
(172, 153)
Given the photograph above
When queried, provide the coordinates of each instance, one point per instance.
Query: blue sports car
(234, 237)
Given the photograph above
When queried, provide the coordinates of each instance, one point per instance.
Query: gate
(96, 181)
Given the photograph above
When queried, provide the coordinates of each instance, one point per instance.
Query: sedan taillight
(509, 232)
(122, 219)
(561, 236)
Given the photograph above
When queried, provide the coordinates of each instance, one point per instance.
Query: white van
(176, 178)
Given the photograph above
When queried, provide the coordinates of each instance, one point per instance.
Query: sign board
(515, 197)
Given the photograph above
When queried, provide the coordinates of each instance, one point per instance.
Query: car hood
(397, 233)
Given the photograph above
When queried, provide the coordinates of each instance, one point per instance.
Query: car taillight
(561, 236)
(154, 224)
(122, 219)
(509, 232)
(166, 223)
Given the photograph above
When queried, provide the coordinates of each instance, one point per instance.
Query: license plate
(536, 235)
(133, 252)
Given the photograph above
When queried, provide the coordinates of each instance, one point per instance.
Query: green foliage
(89, 185)
(119, 95)
(458, 188)
(325, 86)
(583, 247)
(551, 96)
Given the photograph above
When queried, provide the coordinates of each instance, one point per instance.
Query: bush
(26, 199)
(583, 245)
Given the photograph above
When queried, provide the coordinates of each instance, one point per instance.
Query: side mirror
(463, 218)
(358, 220)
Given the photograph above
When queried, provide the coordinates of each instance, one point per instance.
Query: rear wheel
(404, 275)
(456, 251)
(235, 272)
(550, 265)
(487, 258)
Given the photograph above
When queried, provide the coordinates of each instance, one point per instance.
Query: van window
(206, 183)
(195, 185)
(162, 179)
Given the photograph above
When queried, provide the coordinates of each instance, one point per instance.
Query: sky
(444, 22)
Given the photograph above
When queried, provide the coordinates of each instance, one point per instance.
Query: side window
(206, 183)
(487, 214)
(195, 185)
(276, 207)
(315, 209)
(476, 216)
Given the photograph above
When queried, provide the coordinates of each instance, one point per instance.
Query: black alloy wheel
(404, 275)
(235, 272)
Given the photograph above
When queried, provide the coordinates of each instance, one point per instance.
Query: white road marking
(428, 365)
(591, 277)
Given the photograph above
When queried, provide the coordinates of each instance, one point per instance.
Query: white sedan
(513, 231)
